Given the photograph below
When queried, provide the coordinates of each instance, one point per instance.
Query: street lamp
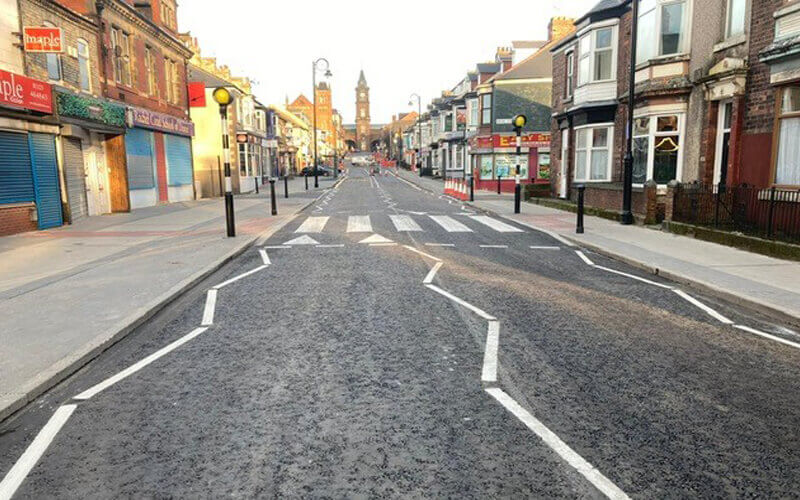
(419, 129)
(519, 122)
(328, 74)
(224, 98)
(627, 180)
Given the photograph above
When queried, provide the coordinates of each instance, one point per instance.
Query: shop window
(487, 167)
(506, 166)
(543, 168)
(662, 29)
(735, 18)
(121, 50)
(787, 168)
(593, 153)
(84, 68)
(656, 148)
(596, 61)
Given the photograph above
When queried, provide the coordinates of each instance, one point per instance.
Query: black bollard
(272, 195)
(499, 177)
(471, 188)
(517, 196)
(306, 181)
(255, 181)
(581, 190)
(286, 186)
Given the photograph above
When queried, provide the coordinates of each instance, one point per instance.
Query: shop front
(250, 150)
(30, 181)
(494, 159)
(159, 153)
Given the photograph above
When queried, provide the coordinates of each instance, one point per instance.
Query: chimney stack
(560, 27)
(505, 56)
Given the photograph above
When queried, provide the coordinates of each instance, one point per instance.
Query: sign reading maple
(19, 91)
(42, 39)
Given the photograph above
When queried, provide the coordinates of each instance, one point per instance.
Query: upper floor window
(662, 29)
(570, 75)
(121, 51)
(150, 68)
(736, 18)
(84, 68)
(173, 81)
(486, 109)
(472, 113)
(53, 61)
(596, 61)
(168, 14)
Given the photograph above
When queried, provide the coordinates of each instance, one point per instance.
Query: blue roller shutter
(16, 177)
(45, 180)
(179, 160)
(141, 159)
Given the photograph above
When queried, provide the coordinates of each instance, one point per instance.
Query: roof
(492, 67)
(301, 100)
(528, 44)
(362, 80)
(537, 65)
(602, 6)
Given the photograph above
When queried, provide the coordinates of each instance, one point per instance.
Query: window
(243, 159)
(593, 153)
(787, 169)
(168, 14)
(447, 123)
(121, 50)
(656, 148)
(150, 68)
(53, 61)
(570, 74)
(723, 149)
(84, 70)
(173, 81)
(486, 109)
(662, 25)
(472, 113)
(596, 58)
(736, 19)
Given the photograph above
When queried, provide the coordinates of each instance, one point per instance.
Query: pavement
(765, 284)
(67, 294)
(391, 342)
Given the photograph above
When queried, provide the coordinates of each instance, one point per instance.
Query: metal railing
(770, 213)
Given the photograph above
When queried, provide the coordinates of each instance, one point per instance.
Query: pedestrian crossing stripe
(406, 223)
(500, 227)
(313, 225)
(450, 225)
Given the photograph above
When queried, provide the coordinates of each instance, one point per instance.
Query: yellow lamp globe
(222, 96)
(520, 121)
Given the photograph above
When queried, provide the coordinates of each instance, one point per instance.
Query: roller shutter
(75, 172)
(179, 160)
(16, 176)
(139, 150)
(45, 180)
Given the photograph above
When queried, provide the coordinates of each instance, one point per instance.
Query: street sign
(42, 39)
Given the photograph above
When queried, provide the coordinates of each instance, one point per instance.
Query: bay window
(596, 61)
(657, 151)
(472, 113)
(787, 168)
(662, 29)
(593, 153)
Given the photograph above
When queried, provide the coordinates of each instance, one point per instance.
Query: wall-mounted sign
(90, 108)
(144, 118)
(42, 39)
(241, 138)
(19, 91)
(197, 94)
(533, 140)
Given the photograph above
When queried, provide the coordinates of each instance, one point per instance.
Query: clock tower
(363, 128)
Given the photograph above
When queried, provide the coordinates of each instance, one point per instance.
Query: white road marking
(449, 224)
(404, 223)
(638, 278)
(34, 452)
(359, 224)
(208, 311)
(440, 244)
(237, 278)
(549, 233)
(330, 246)
(555, 443)
(376, 238)
(303, 240)
(127, 372)
(500, 227)
(544, 248)
(432, 273)
(584, 258)
(480, 312)
(767, 336)
(494, 246)
(383, 244)
(489, 374)
(313, 225)
(281, 247)
(437, 259)
(711, 312)
(264, 257)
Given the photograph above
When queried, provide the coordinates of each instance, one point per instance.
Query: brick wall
(16, 219)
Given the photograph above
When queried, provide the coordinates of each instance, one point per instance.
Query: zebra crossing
(406, 224)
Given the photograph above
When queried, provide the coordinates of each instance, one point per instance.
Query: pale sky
(422, 46)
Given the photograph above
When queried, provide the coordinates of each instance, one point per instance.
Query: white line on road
(404, 223)
(264, 256)
(388, 244)
(500, 227)
(359, 224)
(432, 273)
(313, 225)
(480, 312)
(638, 278)
(208, 311)
(555, 443)
(489, 374)
(127, 372)
(549, 233)
(34, 452)
(440, 244)
(237, 278)
(711, 312)
(494, 246)
(331, 246)
(282, 247)
(449, 224)
(420, 252)
(767, 336)
(584, 258)
(544, 248)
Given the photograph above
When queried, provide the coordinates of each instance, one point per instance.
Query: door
(75, 173)
(178, 151)
(562, 177)
(45, 180)
(117, 163)
(722, 155)
(96, 185)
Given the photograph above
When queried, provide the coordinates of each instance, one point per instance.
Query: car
(321, 171)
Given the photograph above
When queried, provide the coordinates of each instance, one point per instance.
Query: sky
(413, 46)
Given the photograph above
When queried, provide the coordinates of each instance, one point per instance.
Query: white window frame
(564, 164)
(590, 151)
(150, 71)
(569, 84)
(729, 33)
(473, 113)
(84, 63)
(783, 115)
(653, 135)
(686, 30)
(591, 55)
(721, 130)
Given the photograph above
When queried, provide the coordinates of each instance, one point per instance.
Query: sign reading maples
(19, 91)
(42, 39)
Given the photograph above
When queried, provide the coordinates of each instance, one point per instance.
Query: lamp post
(224, 98)
(627, 181)
(519, 122)
(419, 129)
(314, 85)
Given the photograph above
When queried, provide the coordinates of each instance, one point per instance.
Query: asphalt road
(336, 372)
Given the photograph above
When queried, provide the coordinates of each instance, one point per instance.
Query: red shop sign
(528, 140)
(19, 91)
(38, 39)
